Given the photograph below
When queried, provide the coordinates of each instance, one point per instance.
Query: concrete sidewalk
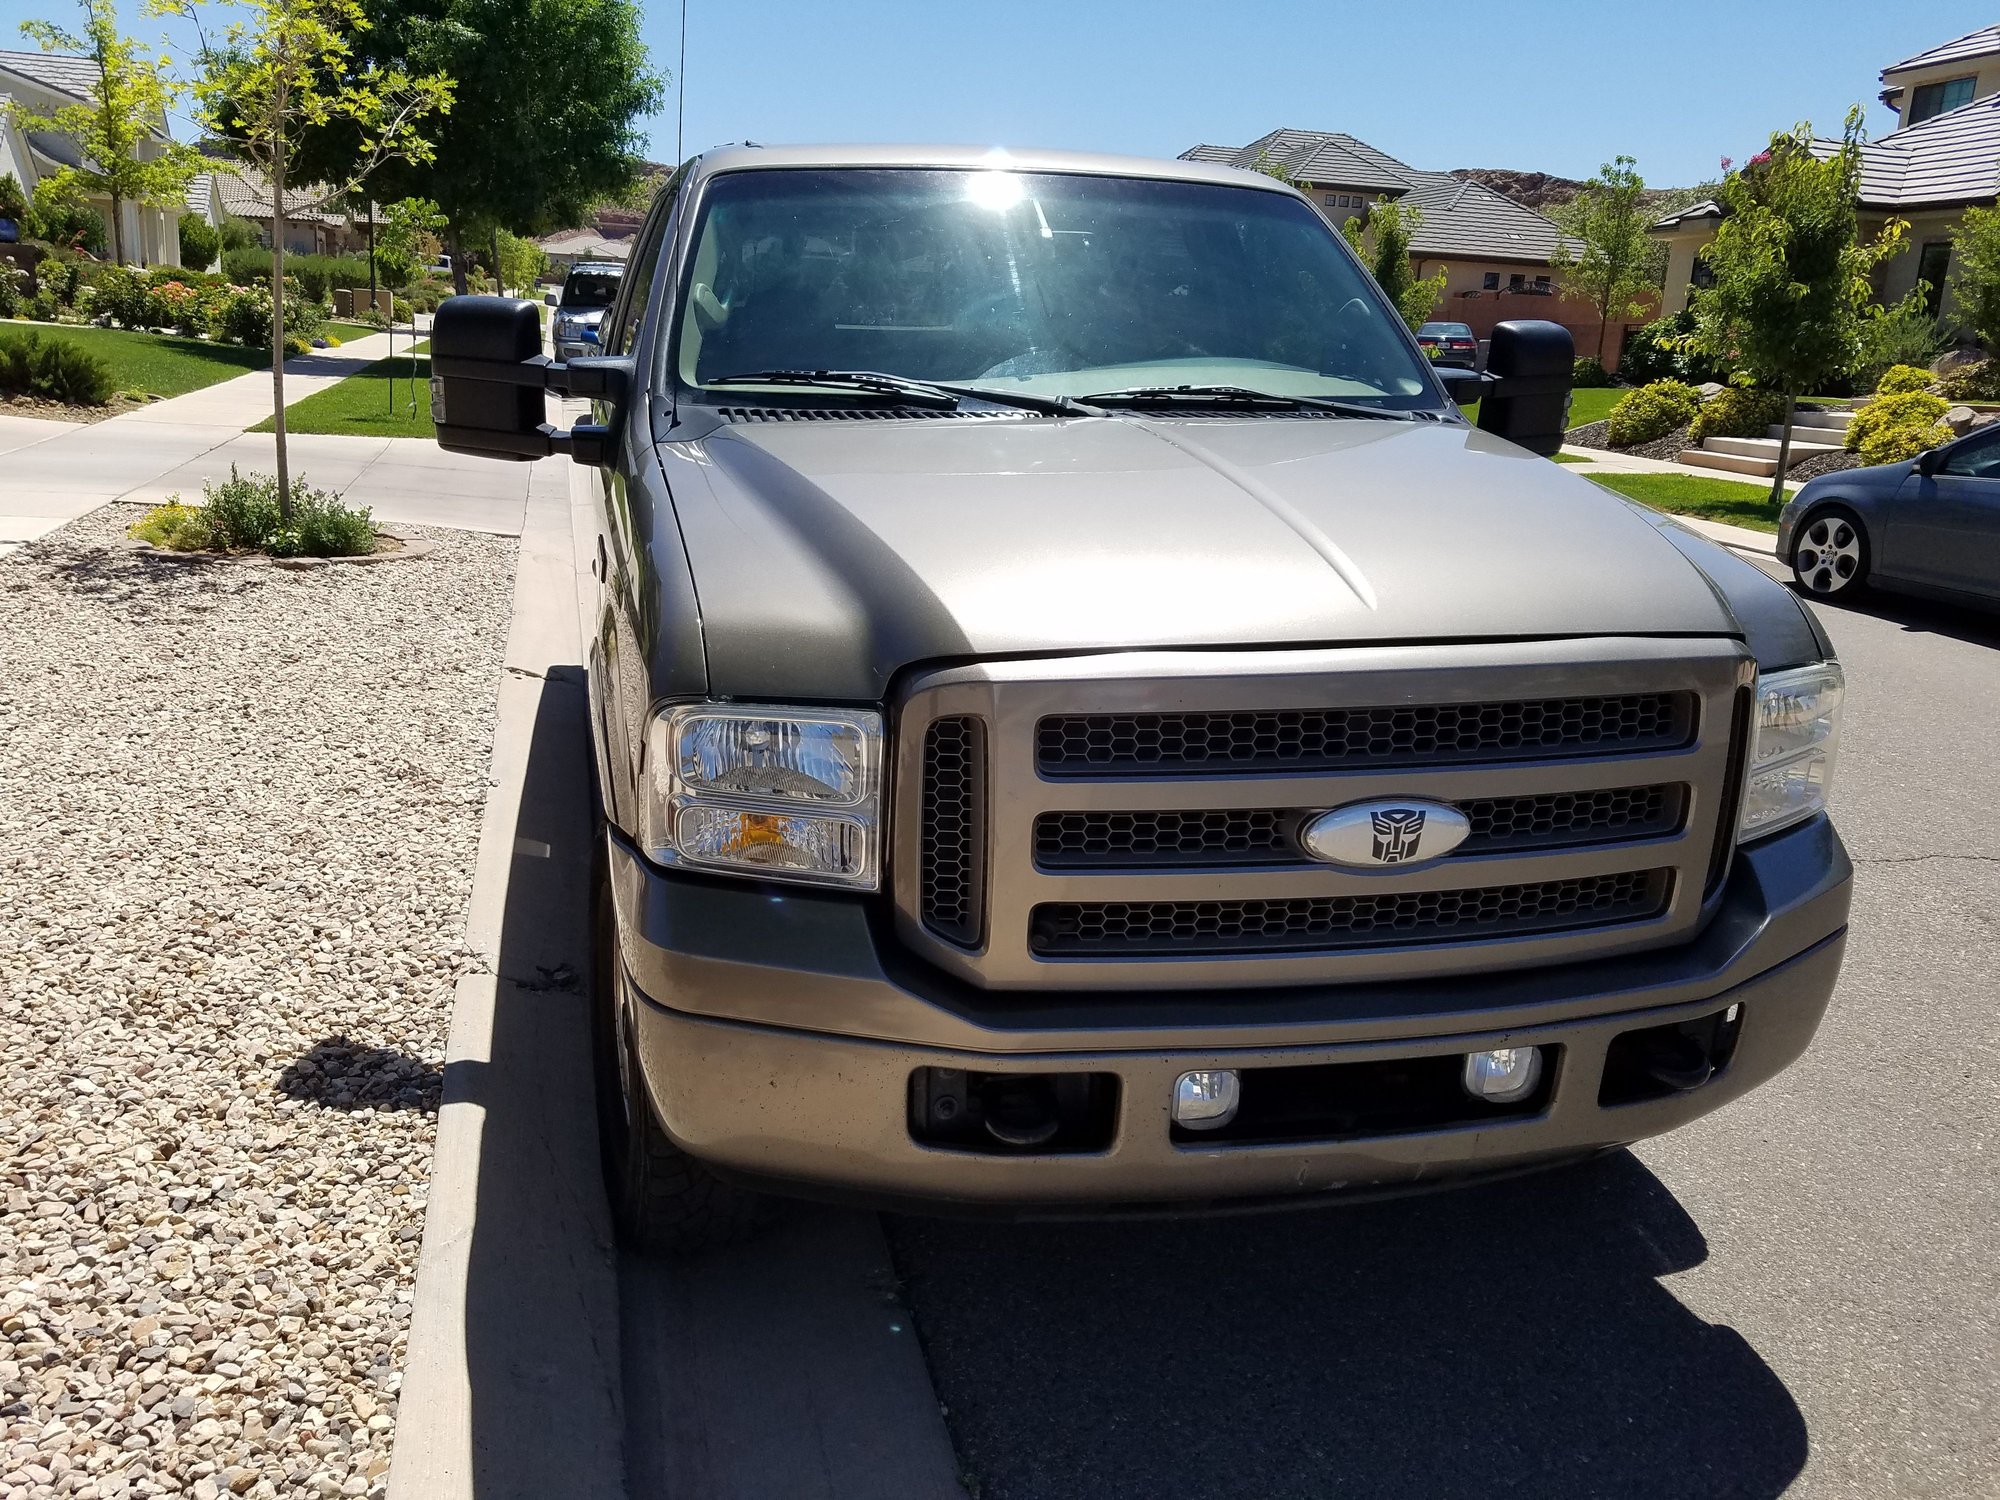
(58, 471)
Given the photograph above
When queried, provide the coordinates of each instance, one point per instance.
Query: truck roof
(749, 157)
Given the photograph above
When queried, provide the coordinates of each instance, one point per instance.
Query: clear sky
(1549, 85)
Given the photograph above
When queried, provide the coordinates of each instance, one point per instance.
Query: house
(311, 228)
(566, 247)
(44, 82)
(1498, 257)
(1942, 158)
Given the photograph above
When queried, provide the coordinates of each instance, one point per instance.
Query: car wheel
(664, 1201)
(1830, 554)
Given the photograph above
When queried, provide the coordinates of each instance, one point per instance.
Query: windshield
(1061, 284)
(589, 289)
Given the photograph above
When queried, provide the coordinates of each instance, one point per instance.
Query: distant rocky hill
(1543, 191)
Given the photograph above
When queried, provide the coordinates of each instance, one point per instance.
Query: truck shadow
(1512, 1339)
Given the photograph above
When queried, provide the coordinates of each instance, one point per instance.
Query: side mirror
(1930, 461)
(489, 378)
(1462, 385)
(1532, 365)
(554, 299)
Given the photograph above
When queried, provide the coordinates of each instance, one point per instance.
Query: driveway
(1795, 1296)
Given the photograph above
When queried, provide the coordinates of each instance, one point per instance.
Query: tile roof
(246, 193)
(1984, 42)
(1461, 219)
(1708, 208)
(1950, 158)
(75, 76)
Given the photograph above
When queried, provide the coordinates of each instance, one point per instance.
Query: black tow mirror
(489, 380)
(1532, 365)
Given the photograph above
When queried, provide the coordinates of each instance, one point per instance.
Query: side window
(638, 289)
(1979, 459)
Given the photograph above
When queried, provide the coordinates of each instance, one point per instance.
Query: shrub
(1978, 380)
(1899, 379)
(241, 514)
(44, 306)
(12, 278)
(201, 242)
(1905, 334)
(53, 369)
(244, 317)
(61, 275)
(1588, 374)
(123, 295)
(1892, 445)
(178, 527)
(1908, 409)
(1652, 412)
(1648, 355)
(13, 202)
(1736, 412)
(59, 215)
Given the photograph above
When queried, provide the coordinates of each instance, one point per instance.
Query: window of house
(1490, 282)
(1518, 282)
(1933, 99)
(1541, 283)
(1933, 265)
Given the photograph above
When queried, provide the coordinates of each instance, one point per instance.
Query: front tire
(1830, 554)
(664, 1201)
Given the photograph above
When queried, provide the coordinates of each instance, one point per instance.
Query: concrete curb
(511, 1385)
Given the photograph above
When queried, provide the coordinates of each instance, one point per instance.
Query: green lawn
(1727, 500)
(158, 364)
(1569, 458)
(363, 405)
(348, 332)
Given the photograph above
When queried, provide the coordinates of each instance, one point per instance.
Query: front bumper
(778, 1034)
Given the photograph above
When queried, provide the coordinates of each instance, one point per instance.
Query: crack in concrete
(1917, 859)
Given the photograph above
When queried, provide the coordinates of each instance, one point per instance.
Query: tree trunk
(278, 325)
(493, 244)
(117, 229)
(370, 211)
(1603, 327)
(457, 252)
(1784, 450)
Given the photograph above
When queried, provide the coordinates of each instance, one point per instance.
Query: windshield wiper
(945, 396)
(1238, 395)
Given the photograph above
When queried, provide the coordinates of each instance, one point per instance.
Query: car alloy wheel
(1829, 557)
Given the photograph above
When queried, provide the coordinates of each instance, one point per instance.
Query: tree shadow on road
(1512, 1339)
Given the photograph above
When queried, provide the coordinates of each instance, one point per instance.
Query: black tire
(663, 1200)
(1830, 554)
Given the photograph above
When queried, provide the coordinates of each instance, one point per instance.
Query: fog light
(1207, 1100)
(1506, 1075)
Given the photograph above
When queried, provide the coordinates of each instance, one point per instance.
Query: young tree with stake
(282, 68)
(125, 153)
(1382, 241)
(1791, 288)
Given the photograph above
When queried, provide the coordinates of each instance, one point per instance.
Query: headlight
(1792, 748)
(780, 793)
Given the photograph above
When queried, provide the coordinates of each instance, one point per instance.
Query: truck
(1084, 723)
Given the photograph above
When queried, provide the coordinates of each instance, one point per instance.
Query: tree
(562, 86)
(1613, 260)
(1383, 242)
(521, 262)
(408, 241)
(284, 67)
(1791, 282)
(201, 242)
(1975, 273)
(125, 153)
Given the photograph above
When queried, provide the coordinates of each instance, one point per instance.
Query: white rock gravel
(238, 815)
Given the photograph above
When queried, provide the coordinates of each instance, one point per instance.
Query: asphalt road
(1795, 1296)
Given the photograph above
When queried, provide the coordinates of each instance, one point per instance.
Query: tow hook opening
(1013, 1114)
(1658, 1062)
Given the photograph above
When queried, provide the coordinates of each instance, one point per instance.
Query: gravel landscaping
(238, 815)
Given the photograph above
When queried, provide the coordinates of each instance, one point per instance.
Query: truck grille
(1133, 822)
(1091, 744)
(1269, 836)
(1322, 923)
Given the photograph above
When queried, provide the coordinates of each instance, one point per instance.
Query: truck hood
(827, 555)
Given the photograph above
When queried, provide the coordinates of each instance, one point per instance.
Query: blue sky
(1557, 86)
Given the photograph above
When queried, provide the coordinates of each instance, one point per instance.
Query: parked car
(1450, 344)
(1080, 726)
(1929, 526)
(586, 292)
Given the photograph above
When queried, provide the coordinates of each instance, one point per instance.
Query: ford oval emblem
(1369, 835)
